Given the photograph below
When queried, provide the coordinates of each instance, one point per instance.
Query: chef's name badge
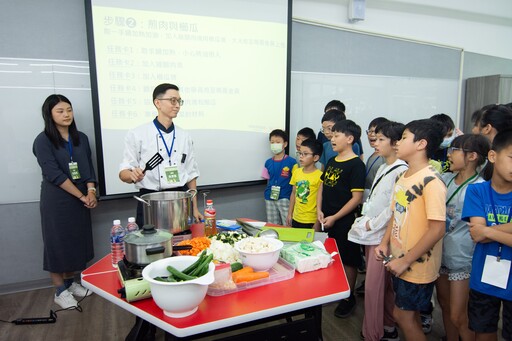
(171, 174)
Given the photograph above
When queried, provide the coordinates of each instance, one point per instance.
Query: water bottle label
(116, 239)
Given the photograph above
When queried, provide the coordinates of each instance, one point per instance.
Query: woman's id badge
(496, 272)
(274, 192)
(171, 174)
(73, 170)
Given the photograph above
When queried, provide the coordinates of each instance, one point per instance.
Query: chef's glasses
(173, 100)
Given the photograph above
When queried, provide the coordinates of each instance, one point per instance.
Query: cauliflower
(223, 252)
(256, 245)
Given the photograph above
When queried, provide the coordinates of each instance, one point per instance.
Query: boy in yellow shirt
(305, 181)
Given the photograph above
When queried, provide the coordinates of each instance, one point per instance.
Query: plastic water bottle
(210, 224)
(132, 225)
(117, 242)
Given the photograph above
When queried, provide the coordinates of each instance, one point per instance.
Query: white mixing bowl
(177, 299)
(263, 260)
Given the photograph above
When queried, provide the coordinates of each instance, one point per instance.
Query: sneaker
(65, 300)
(345, 307)
(78, 290)
(390, 336)
(426, 323)
(360, 289)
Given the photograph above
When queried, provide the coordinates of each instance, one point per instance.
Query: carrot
(244, 270)
(250, 276)
(198, 245)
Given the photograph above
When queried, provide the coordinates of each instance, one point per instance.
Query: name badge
(171, 174)
(73, 170)
(274, 192)
(496, 272)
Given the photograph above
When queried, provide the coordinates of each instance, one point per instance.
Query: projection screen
(230, 59)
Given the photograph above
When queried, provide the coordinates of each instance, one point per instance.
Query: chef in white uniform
(178, 171)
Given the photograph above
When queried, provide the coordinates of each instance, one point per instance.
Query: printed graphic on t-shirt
(331, 176)
(303, 190)
(403, 199)
(501, 210)
(285, 172)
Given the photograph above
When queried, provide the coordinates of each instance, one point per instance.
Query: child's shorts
(454, 275)
(484, 314)
(350, 252)
(412, 296)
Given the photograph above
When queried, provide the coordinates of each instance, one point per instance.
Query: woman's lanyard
(370, 168)
(70, 149)
(460, 187)
(496, 219)
(169, 151)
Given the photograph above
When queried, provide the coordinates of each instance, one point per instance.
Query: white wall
(478, 26)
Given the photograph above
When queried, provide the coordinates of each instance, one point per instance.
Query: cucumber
(178, 275)
(202, 268)
(194, 265)
(236, 266)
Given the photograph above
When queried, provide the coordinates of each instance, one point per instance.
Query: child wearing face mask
(440, 159)
(278, 172)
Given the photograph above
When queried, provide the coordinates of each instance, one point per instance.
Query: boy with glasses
(305, 181)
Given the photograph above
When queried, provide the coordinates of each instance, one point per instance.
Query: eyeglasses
(368, 132)
(303, 154)
(173, 100)
(326, 130)
(452, 149)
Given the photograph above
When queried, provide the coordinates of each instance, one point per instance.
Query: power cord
(50, 319)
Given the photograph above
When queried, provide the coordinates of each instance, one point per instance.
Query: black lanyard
(496, 218)
(369, 169)
(382, 176)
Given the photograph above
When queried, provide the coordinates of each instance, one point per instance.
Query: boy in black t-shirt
(337, 199)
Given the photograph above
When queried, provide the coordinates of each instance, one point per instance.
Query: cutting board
(290, 234)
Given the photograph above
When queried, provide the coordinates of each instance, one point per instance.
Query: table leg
(141, 331)
(316, 313)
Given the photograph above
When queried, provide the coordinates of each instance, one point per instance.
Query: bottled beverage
(132, 225)
(117, 234)
(210, 224)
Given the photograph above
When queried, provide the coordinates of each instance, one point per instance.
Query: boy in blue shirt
(338, 196)
(278, 171)
(487, 207)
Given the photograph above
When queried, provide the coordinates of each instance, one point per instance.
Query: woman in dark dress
(68, 192)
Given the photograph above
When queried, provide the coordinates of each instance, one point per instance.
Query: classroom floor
(102, 320)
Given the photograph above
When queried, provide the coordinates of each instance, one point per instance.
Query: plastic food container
(281, 271)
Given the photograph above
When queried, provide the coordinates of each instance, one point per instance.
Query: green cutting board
(290, 234)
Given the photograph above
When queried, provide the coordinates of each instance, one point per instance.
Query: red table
(303, 291)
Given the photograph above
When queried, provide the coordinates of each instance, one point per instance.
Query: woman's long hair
(50, 129)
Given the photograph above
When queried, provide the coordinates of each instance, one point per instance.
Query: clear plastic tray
(279, 272)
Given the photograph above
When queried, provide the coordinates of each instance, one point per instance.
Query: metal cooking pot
(148, 245)
(168, 210)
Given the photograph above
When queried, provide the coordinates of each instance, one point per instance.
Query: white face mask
(447, 141)
(276, 148)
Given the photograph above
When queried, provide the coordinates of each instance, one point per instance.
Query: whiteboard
(366, 97)
(24, 85)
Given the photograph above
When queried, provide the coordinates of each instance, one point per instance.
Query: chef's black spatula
(153, 162)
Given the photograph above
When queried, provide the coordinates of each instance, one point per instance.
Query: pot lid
(148, 235)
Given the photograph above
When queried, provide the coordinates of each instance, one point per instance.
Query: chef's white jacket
(144, 141)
